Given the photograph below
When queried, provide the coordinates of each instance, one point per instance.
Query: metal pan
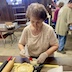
(38, 68)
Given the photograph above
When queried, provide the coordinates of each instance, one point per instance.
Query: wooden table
(9, 32)
(66, 62)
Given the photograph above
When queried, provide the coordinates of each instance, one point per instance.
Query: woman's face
(36, 23)
(70, 5)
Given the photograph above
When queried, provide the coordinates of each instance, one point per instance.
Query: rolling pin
(4, 63)
(9, 66)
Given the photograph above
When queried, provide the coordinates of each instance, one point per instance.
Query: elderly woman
(38, 39)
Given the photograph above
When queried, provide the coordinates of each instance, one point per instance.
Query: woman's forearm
(20, 46)
(52, 49)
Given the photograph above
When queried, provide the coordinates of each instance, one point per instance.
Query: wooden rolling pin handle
(4, 63)
(9, 66)
(13, 59)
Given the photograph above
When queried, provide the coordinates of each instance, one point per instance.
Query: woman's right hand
(24, 53)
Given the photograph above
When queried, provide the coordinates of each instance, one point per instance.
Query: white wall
(65, 1)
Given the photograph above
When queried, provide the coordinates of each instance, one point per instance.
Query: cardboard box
(8, 23)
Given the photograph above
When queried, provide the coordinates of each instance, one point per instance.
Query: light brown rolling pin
(9, 66)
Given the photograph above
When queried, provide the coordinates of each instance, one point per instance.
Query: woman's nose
(36, 23)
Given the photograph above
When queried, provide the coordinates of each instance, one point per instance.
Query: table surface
(66, 62)
(6, 30)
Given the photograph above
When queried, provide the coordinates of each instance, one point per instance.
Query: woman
(38, 37)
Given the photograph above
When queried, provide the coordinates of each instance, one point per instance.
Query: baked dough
(33, 61)
(25, 67)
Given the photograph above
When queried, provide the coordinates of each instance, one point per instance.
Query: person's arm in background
(54, 46)
(55, 15)
(54, 18)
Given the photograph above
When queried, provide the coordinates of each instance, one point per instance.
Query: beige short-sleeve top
(39, 43)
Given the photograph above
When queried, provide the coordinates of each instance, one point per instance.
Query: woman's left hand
(42, 57)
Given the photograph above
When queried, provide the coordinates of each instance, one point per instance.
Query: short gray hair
(36, 10)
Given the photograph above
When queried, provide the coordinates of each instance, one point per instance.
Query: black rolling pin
(4, 63)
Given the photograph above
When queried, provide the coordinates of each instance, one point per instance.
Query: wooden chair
(4, 36)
